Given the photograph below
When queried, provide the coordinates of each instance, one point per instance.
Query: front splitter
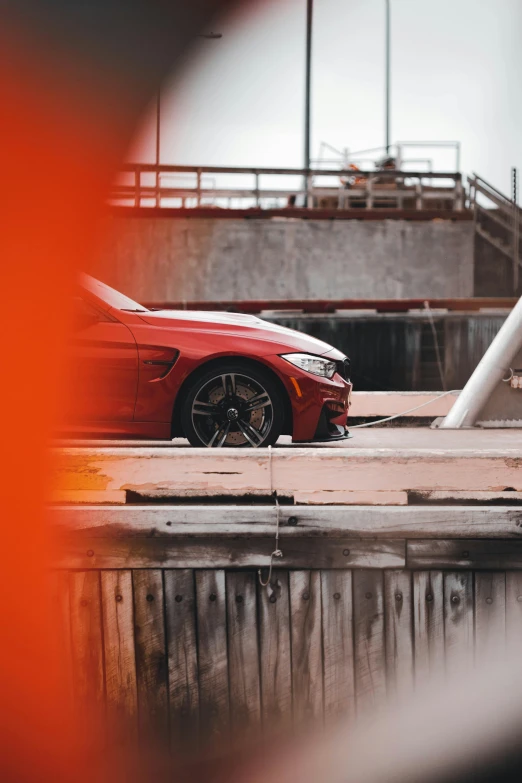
(330, 439)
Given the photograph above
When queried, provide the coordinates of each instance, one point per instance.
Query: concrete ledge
(371, 466)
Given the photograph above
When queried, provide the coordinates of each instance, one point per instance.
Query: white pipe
(493, 366)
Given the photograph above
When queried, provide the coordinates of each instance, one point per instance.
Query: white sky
(456, 74)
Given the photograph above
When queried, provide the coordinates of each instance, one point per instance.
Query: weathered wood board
(82, 553)
(337, 611)
(398, 602)
(203, 658)
(252, 521)
(243, 653)
(213, 657)
(369, 640)
(307, 674)
(180, 621)
(275, 654)
(469, 554)
(171, 633)
(182, 472)
(151, 655)
(120, 656)
(86, 633)
(428, 625)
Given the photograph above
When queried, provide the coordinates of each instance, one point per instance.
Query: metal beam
(308, 83)
(493, 367)
(387, 77)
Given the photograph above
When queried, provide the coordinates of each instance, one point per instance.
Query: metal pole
(516, 228)
(387, 78)
(309, 14)
(158, 127)
(493, 366)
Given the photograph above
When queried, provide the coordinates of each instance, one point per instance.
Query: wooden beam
(467, 497)
(205, 521)
(191, 552)
(185, 472)
(468, 554)
(350, 498)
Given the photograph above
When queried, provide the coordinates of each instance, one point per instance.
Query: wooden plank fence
(174, 636)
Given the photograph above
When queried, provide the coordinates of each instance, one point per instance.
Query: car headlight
(314, 364)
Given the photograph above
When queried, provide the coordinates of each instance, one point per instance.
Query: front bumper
(319, 405)
(343, 434)
(327, 430)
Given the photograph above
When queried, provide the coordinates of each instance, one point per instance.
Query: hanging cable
(436, 344)
(277, 552)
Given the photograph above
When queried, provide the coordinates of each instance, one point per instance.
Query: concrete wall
(167, 258)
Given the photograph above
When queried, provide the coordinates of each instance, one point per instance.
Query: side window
(85, 315)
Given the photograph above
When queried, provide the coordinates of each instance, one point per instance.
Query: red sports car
(218, 379)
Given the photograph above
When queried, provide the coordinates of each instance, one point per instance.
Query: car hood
(238, 325)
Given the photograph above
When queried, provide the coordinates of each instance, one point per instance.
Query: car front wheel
(233, 405)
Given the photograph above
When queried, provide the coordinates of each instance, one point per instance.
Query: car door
(102, 367)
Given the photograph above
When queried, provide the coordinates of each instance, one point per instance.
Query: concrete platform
(364, 438)
(376, 467)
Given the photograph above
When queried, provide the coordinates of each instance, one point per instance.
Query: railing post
(418, 197)
(471, 197)
(473, 205)
(369, 192)
(309, 195)
(257, 187)
(158, 198)
(198, 186)
(458, 193)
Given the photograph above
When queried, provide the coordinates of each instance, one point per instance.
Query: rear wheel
(233, 405)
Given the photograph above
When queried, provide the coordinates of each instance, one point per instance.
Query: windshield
(110, 296)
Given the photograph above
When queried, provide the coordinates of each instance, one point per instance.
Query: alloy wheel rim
(232, 409)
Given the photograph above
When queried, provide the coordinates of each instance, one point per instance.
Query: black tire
(216, 409)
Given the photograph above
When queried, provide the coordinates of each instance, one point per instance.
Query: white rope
(277, 552)
(435, 343)
(404, 413)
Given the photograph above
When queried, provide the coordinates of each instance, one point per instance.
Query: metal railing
(488, 203)
(400, 152)
(147, 185)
